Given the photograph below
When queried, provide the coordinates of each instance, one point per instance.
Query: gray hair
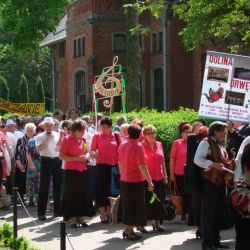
(30, 126)
(121, 120)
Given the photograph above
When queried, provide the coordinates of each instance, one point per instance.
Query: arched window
(80, 97)
(158, 89)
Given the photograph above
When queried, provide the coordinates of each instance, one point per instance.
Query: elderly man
(46, 143)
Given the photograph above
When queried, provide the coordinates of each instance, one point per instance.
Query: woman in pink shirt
(73, 150)
(133, 169)
(104, 148)
(157, 170)
(178, 157)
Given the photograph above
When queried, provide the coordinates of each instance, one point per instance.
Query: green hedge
(166, 123)
(6, 239)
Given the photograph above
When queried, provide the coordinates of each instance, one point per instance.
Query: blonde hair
(148, 128)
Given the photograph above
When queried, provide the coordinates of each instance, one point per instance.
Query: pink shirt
(72, 147)
(107, 148)
(179, 155)
(154, 160)
(131, 155)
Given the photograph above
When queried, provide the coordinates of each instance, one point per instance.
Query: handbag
(169, 209)
(176, 198)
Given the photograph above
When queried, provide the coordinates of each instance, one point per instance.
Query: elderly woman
(133, 169)
(178, 157)
(21, 157)
(104, 148)
(157, 170)
(212, 157)
(33, 171)
(73, 151)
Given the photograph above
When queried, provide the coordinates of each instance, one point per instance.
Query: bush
(6, 239)
(166, 123)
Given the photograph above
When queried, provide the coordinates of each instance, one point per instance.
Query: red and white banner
(226, 87)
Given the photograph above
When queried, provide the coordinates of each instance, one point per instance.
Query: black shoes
(132, 236)
(42, 217)
(198, 234)
(219, 245)
(158, 229)
(209, 248)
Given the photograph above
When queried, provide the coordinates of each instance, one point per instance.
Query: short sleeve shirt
(107, 147)
(50, 151)
(179, 154)
(70, 146)
(131, 155)
(154, 160)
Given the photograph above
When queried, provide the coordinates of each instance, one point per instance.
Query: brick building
(93, 32)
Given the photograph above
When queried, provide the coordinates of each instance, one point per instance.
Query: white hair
(30, 126)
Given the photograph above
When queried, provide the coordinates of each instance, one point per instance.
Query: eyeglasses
(150, 133)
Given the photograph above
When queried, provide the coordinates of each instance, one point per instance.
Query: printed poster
(226, 87)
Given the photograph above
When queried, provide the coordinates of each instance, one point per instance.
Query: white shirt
(238, 170)
(51, 150)
(12, 141)
(201, 153)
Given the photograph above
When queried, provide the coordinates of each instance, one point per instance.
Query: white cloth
(51, 150)
(201, 153)
(18, 134)
(238, 170)
(12, 141)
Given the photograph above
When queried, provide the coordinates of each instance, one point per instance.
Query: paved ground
(106, 237)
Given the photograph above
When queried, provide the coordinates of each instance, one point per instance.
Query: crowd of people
(79, 165)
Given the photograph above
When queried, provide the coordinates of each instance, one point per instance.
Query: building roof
(57, 36)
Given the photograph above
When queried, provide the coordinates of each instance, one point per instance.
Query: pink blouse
(72, 147)
(179, 155)
(107, 147)
(131, 155)
(154, 160)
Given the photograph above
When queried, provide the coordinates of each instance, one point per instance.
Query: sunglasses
(150, 133)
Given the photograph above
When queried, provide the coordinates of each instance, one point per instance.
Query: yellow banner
(33, 109)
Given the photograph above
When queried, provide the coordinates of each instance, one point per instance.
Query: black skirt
(155, 210)
(103, 181)
(76, 198)
(133, 203)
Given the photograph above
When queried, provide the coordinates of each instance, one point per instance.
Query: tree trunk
(133, 60)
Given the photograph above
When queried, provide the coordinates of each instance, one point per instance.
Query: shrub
(166, 123)
(6, 239)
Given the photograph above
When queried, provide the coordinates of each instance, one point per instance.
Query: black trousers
(49, 167)
(212, 212)
(185, 196)
(21, 182)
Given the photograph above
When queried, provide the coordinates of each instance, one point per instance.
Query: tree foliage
(40, 90)
(207, 21)
(4, 90)
(24, 92)
(13, 65)
(24, 23)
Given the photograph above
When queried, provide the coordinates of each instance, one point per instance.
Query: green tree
(25, 23)
(40, 98)
(4, 90)
(208, 21)
(24, 92)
